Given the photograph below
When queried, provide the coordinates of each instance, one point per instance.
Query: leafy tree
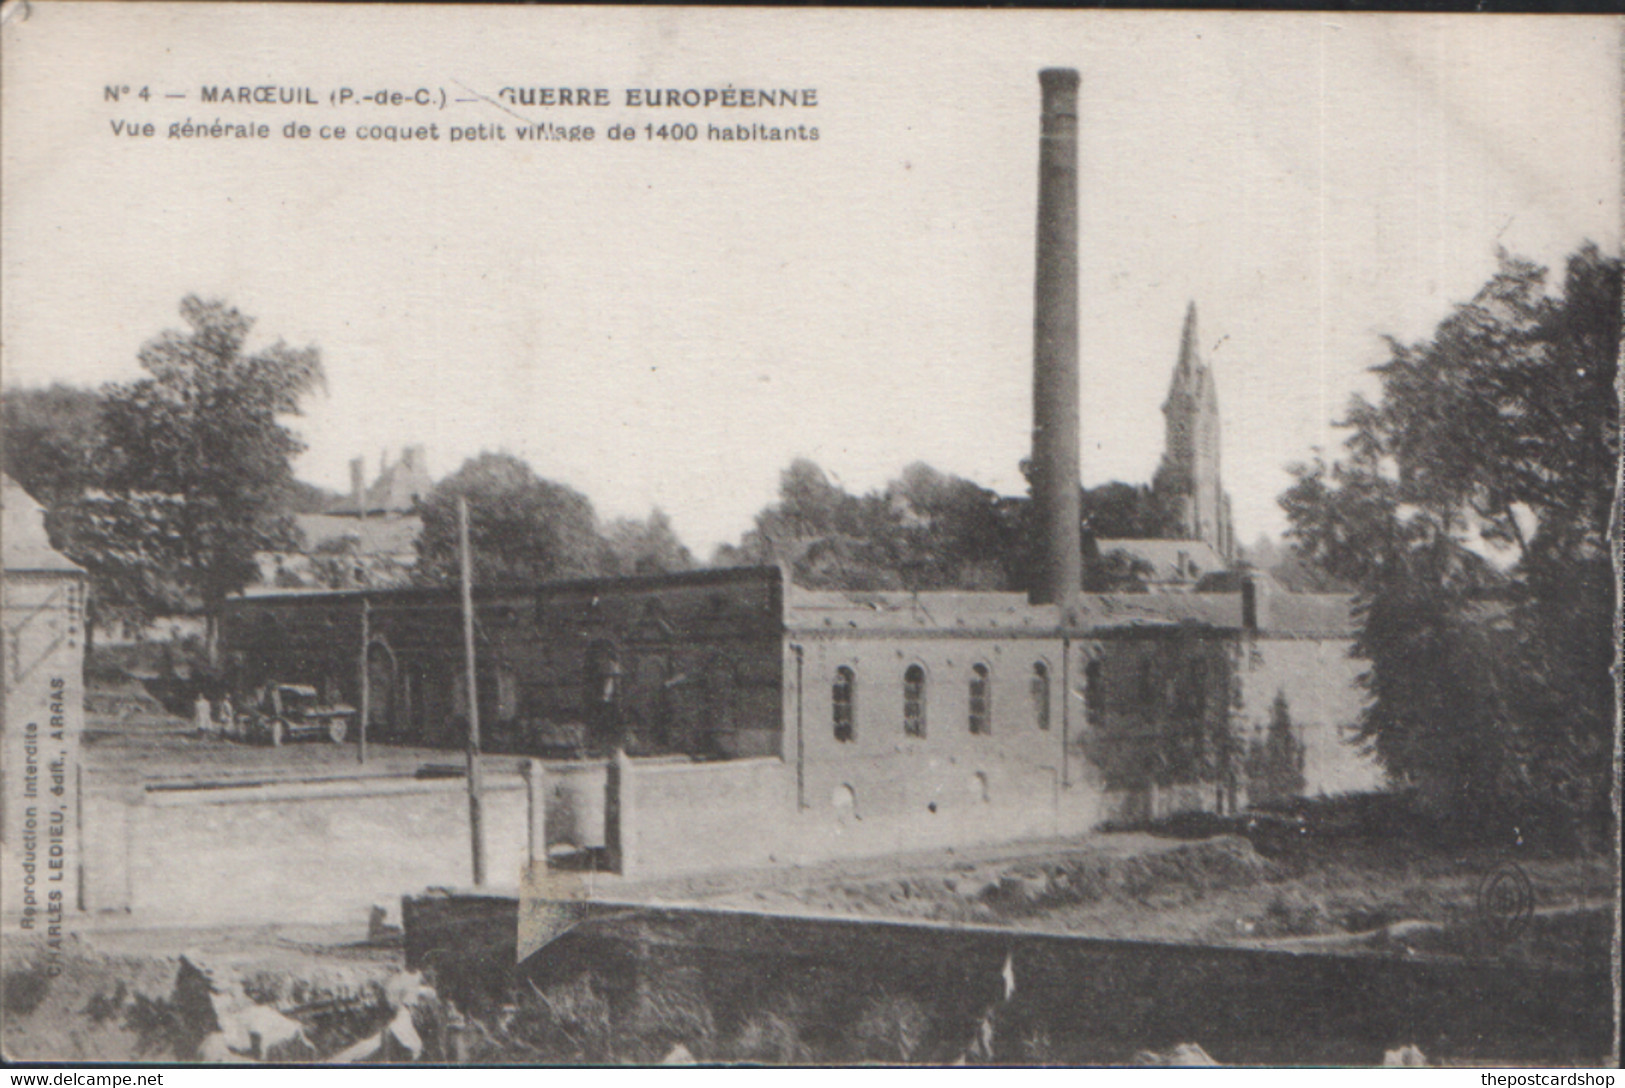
(1472, 512)
(650, 546)
(51, 437)
(827, 538)
(1275, 764)
(132, 550)
(522, 529)
(1128, 511)
(954, 534)
(925, 530)
(192, 467)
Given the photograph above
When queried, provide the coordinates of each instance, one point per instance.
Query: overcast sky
(669, 325)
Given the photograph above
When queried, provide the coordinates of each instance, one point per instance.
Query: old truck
(285, 712)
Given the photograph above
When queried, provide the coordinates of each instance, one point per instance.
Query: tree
(522, 529)
(51, 438)
(645, 547)
(925, 530)
(826, 537)
(53, 442)
(131, 547)
(954, 534)
(1126, 511)
(1472, 512)
(1275, 763)
(194, 463)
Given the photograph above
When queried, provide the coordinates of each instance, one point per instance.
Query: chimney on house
(1255, 603)
(1056, 480)
(417, 474)
(358, 486)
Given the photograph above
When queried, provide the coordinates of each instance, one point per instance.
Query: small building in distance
(1167, 565)
(369, 538)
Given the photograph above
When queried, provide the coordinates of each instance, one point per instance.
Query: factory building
(748, 720)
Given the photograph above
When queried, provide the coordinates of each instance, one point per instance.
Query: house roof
(396, 490)
(1170, 560)
(22, 533)
(389, 535)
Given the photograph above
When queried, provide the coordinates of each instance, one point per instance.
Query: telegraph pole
(475, 815)
(366, 683)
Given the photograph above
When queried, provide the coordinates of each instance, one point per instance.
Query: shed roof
(22, 533)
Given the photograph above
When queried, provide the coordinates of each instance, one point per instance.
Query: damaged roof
(1282, 614)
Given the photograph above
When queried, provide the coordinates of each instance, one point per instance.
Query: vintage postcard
(636, 536)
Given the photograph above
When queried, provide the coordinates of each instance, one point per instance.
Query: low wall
(680, 818)
(296, 851)
(694, 817)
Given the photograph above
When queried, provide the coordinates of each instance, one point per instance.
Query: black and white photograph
(684, 536)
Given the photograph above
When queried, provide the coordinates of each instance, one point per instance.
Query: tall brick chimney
(1055, 475)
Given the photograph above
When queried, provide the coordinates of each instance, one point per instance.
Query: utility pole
(366, 683)
(476, 820)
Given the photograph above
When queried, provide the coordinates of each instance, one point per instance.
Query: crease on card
(15, 11)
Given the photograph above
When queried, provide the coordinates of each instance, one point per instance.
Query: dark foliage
(522, 529)
(650, 546)
(50, 441)
(1489, 682)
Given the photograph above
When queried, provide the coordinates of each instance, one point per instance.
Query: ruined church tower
(1189, 475)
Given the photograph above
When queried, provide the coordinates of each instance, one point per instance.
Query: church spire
(1188, 371)
(1189, 358)
(1190, 463)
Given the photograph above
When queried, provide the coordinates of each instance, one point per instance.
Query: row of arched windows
(843, 700)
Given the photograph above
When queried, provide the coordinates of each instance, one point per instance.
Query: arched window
(981, 701)
(1094, 693)
(841, 699)
(1038, 687)
(914, 701)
